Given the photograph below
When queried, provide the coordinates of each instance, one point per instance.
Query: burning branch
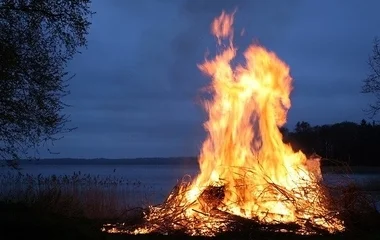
(176, 214)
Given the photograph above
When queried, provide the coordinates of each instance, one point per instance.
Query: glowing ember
(246, 171)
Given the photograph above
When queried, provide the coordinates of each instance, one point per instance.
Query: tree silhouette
(37, 40)
(371, 84)
(349, 142)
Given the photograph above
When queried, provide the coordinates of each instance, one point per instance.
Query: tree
(371, 84)
(38, 38)
(302, 127)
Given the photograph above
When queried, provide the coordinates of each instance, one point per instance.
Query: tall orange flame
(262, 178)
(244, 161)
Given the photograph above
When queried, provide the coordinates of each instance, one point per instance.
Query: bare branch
(371, 84)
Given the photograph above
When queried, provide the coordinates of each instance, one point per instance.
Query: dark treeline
(348, 142)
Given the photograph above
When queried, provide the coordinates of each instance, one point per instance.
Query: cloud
(136, 92)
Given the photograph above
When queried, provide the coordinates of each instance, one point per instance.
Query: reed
(76, 195)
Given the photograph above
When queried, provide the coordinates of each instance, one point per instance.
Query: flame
(244, 151)
(245, 168)
(257, 92)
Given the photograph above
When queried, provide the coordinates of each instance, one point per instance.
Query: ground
(20, 221)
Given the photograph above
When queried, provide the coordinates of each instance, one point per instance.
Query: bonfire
(247, 173)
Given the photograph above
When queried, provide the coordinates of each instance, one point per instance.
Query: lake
(159, 176)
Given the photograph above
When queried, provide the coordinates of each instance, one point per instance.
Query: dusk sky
(137, 84)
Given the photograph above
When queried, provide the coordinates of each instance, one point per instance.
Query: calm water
(160, 178)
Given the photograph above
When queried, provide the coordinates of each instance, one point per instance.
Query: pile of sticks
(171, 217)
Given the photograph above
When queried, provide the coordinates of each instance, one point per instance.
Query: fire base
(169, 218)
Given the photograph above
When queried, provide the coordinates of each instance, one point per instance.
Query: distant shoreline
(183, 161)
(105, 161)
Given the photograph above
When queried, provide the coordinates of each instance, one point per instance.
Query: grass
(77, 195)
(76, 206)
(65, 207)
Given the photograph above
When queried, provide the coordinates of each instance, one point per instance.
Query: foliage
(37, 40)
(349, 142)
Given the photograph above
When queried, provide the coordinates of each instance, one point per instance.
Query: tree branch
(31, 10)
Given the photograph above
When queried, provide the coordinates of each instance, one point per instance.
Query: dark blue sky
(136, 88)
